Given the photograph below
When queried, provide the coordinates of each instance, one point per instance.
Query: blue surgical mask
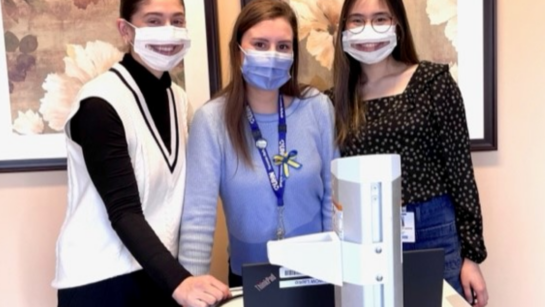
(266, 70)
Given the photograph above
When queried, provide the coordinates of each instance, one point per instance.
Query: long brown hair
(348, 75)
(253, 13)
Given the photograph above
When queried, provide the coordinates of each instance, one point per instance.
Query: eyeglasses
(380, 23)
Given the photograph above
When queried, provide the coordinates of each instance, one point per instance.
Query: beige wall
(31, 211)
(510, 181)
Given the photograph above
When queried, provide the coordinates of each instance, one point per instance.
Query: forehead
(369, 7)
(160, 7)
(278, 28)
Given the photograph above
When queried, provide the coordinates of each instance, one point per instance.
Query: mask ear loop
(242, 49)
(245, 54)
(132, 26)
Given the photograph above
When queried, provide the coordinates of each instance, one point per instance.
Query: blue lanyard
(277, 182)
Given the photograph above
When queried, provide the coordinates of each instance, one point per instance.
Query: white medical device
(363, 257)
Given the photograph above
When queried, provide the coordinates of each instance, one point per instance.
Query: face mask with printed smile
(161, 48)
(266, 70)
(368, 45)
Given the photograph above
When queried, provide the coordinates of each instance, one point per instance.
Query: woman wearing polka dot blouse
(387, 101)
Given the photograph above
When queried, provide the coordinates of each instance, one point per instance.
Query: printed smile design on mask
(156, 46)
(369, 46)
(165, 49)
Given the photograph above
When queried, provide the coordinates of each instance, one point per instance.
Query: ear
(125, 30)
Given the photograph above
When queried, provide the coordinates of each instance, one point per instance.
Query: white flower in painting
(28, 123)
(318, 22)
(445, 11)
(81, 65)
(91, 61)
(60, 92)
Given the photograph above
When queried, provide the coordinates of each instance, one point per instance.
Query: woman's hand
(473, 284)
(200, 291)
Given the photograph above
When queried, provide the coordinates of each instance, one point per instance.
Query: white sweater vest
(88, 249)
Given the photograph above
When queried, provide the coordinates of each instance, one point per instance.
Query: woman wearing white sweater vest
(126, 139)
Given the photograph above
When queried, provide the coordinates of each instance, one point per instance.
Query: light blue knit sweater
(248, 199)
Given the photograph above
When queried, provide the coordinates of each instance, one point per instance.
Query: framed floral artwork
(461, 33)
(50, 48)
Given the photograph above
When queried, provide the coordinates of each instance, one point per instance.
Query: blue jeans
(435, 224)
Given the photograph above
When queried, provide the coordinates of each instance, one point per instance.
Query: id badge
(407, 226)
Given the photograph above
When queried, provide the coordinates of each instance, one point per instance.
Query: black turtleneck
(98, 129)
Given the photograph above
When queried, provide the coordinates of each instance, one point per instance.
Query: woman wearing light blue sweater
(264, 145)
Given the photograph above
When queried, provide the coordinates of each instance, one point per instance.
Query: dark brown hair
(127, 8)
(348, 76)
(253, 13)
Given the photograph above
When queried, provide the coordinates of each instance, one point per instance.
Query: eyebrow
(267, 40)
(374, 15)
(157, 14)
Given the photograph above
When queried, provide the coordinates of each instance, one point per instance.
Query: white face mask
(370, 36)
(157, 37)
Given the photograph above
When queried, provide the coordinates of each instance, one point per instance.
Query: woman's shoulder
(330, 93)
(314, 95)
(433, 66)
(428, 71)
(317, 103)
(429, 75)
(177, 89)
(107, 85)
(316, 99)
(212, 110)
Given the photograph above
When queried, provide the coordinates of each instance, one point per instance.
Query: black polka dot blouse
(426, 125)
